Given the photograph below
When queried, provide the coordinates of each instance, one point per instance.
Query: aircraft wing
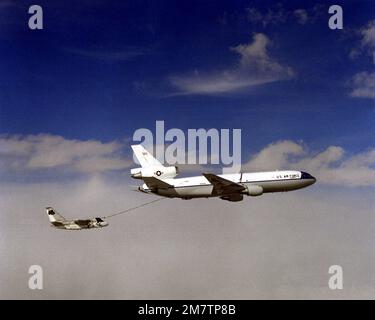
(82, 222)
(155, 183)
(223, 186)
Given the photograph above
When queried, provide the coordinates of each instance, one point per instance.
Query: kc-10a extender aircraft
(160, 180)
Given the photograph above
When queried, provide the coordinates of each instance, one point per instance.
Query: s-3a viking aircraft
(60, 222)
(161, 180)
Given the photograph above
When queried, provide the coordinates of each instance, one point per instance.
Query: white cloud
(34, 153)
(255, 67)
(274, 156)
(363, 83)
(45, 151)
(255, 55)
(330, 167)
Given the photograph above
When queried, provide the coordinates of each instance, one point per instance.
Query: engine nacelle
(254, 190)
(156, 171)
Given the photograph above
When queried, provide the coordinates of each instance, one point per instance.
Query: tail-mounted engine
(156, 171)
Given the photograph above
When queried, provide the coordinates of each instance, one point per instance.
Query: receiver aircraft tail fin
(53, 216)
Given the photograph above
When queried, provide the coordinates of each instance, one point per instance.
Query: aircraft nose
(308, 176)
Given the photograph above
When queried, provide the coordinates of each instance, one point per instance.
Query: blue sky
(102, 69)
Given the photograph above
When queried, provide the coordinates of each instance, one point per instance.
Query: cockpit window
(99, 220)
(305, 175)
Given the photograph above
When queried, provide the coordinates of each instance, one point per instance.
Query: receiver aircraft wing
(223, 186)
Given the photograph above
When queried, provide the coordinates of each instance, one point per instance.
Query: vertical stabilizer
(144, 157)
(53, 216)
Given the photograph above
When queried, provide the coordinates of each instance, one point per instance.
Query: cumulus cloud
(45, 151)
(274, 156)
(330, 167)
(363, 83)
(255, 67)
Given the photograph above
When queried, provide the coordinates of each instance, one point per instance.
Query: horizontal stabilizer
(155, 183)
